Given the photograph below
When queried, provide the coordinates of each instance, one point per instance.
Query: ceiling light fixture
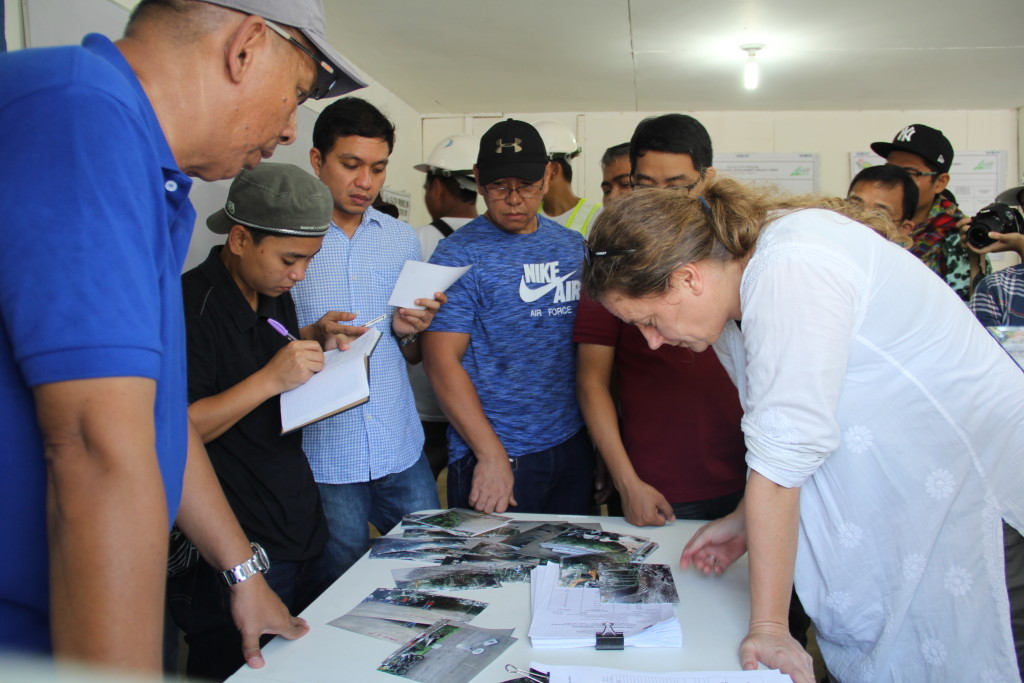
(751, 70)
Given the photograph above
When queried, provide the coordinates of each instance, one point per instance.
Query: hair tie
(704, 203)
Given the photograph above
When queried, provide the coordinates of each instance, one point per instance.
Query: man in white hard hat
(450, 195)
(99, 454)
(560, 202)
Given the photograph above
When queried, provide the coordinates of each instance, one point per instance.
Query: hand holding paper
(414, 320)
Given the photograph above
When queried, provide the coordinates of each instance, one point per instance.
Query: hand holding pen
(294, 363)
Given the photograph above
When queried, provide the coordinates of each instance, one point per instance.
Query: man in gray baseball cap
(245, 348)
(101, 456)
(335, 76)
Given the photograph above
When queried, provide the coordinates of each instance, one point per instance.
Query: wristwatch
(259, 562)
(408, 339)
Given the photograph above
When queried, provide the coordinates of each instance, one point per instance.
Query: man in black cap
(238, 313)
(927, 155)
(100, 457)
(500, 355)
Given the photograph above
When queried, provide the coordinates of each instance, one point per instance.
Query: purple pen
(281, 329)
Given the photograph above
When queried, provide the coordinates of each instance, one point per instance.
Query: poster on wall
(402, 200)
(795, 173)
(975, 178)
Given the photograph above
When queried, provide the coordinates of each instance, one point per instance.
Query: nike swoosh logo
(530, 295)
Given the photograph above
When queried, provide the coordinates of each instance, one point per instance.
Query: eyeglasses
(529, 191)
(680, 188)
(915, 174)
(325, 78)
(589, 254)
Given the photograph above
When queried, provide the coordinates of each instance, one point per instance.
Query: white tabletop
(713, 611)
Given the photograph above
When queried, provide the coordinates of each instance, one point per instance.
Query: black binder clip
(609, 639)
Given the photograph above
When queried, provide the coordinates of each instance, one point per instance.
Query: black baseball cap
(511, 149)
(278, 198)
(924, 141)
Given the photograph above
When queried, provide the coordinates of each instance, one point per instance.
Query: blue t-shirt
(518, 304)
(95, 230)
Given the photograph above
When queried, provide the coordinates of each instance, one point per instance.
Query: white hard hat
(558, 139)
(453, 157)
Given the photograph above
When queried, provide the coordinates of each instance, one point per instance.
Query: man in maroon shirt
(670, 454)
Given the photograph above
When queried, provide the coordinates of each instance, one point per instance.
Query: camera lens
(995, 217)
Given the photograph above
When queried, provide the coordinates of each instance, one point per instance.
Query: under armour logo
(516, 146)
(905, 134)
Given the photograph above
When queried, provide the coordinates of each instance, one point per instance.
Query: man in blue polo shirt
(97, 222)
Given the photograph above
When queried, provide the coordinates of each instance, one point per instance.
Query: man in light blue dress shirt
(368, 461)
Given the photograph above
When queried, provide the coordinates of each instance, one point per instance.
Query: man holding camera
(926, 154)
(999, 297)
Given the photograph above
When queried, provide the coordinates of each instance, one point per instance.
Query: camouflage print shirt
(937, 244)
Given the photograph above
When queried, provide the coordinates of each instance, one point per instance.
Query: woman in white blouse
(884, 426)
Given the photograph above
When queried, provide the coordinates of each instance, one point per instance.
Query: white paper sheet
(596, 674)
(419, 280)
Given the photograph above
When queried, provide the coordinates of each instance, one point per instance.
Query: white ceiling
(474, 56)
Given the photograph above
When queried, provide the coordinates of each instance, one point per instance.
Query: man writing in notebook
(239, 362)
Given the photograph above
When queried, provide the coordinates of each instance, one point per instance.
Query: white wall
(12, 24)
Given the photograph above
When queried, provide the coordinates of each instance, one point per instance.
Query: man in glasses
(499, 354)
(889, 189)
(671, 151)
(668, 457)
(926, 154)
(99, 455)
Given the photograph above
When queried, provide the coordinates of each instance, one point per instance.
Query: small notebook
(343, 383)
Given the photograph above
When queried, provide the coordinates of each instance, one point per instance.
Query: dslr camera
(995, 217)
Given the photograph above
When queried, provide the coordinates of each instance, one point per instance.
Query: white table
(713, 611)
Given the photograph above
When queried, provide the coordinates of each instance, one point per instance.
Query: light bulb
(751, 73)
(751, 70)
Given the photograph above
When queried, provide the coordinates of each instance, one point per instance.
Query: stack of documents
(565, 616)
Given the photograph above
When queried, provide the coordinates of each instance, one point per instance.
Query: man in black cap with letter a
(499, 354)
